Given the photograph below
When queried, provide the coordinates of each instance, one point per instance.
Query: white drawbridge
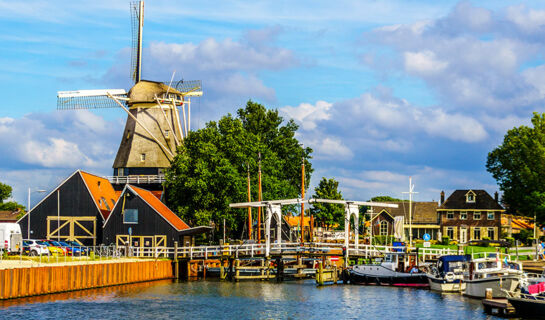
(274, 208)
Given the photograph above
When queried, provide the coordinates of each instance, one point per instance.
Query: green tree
(210, 170)
(5, 193)
(327, 214)
(385, 199)
(518, 165)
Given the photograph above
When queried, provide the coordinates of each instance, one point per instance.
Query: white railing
(136, 179)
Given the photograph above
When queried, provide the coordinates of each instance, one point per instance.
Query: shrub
(382, 240)
(445, 240)
(511, 240)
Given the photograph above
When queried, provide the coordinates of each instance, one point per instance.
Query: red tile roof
(160, 208)
(102, 192)
(8, 216)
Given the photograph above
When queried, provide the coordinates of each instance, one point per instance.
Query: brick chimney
(496, 196)
(442, 198)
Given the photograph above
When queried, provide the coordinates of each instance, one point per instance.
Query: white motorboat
(495, 273)
(448, 274)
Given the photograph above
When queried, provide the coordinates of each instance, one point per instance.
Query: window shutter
(471, 233)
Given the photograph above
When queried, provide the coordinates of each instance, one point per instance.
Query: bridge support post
(346, 233)
(176, 263)
(268, 231)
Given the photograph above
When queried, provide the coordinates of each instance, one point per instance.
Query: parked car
(83, 250)
(54, 247)
(73, 248)
(34, 248)
(11, 239)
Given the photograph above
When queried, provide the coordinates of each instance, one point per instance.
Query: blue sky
(382, 90)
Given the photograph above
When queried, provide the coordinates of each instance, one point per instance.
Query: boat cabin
(453, 263)
(488, 267)
(398, 261)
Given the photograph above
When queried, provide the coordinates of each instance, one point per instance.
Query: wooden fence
(24, 282)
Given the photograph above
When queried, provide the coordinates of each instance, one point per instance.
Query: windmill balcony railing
(136, 179)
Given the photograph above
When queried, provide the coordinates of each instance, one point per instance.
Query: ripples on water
(245, 300)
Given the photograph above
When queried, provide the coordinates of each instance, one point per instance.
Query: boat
(495, 273)
(529, 302)
(394, 269)
(448, 273)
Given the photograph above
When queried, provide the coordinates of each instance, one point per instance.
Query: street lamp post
(28, 211)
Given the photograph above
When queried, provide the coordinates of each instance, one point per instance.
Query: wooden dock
(500, 307)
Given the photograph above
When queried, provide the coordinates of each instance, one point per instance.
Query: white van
(11, 239)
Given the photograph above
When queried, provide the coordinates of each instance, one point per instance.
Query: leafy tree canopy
(5, 193)
(385, 199)
(210, 170)
(327, 214)
(518, 165)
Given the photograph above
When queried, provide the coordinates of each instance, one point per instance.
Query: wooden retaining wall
(24, 282)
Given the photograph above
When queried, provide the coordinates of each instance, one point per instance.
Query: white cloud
(473, 58)
(59, 140)
(424, 63)
(331, 148)
(528, 20)
(307, 114)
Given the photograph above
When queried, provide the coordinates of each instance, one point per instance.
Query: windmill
(154, 128)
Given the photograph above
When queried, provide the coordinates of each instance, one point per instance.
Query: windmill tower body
(154, 127)
(139, 153)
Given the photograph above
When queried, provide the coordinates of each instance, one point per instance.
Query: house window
(450, 215)
(491, 233)
(463, 215)
(490, 215)
(477, 233)
(470, 197)
(167, 133)
(384, 228)
(143, 157)
(130, 216)
(450, 232)
(477, 215)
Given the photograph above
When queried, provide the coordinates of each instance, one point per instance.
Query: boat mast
(259, 199)
(302, 197)
(411, 188)
(249, 208)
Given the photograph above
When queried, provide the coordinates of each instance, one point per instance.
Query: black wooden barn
(75, 210)
(141, 218)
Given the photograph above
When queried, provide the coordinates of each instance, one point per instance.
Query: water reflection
(244, 300)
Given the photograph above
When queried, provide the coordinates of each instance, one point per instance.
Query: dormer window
(470, 197)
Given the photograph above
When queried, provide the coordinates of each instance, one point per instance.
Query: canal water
(244, 300)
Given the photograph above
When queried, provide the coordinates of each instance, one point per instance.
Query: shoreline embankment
(33, 281)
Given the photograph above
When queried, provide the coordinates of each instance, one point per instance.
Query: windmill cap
(145, 91)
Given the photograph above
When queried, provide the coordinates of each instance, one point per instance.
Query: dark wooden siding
(150, 223)
(75, 200)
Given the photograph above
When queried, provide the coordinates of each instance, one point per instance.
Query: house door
(463, 235)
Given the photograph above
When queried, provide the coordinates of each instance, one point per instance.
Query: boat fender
(449, 276)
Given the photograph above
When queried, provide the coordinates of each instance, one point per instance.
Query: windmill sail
(153, 130)
(137, 23)
(189, 88)
(89, 99)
